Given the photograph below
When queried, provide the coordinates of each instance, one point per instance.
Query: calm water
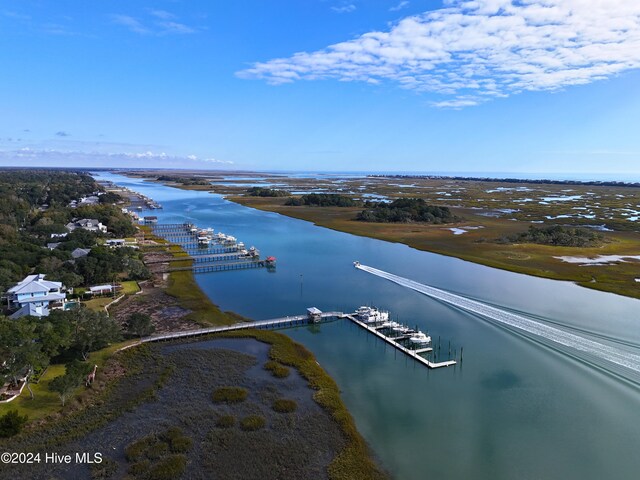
(516, 409)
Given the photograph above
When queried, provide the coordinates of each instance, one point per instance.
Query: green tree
(140, 324)
(64, 385)
(93, 331)
(20, 353)
(11, 423)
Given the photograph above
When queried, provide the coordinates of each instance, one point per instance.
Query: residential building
(90, 224)
(35, 296)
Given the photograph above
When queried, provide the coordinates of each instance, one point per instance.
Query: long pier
(282, 322)
(296, 321)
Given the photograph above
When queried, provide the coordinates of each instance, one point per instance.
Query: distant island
(515, 180)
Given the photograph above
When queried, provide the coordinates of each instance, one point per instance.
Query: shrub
(103, 470)
(11, 423)
(136, 450)
(169, 468)
(277, 369)
(252, 423)
(139, 468)
(283, 405)
(230, 394)
(225, 421)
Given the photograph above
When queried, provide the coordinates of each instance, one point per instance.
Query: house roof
(49, 297)
(34, 283)
(28, 309)
(99, 288)
(84, 221)
(80, 252)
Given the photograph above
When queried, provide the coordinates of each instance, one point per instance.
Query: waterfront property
(35, 296)
(89, 224)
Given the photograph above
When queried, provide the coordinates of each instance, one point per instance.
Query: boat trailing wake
(555, 335)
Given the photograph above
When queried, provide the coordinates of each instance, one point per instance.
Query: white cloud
(348, 8)
(42, 156)
(403, 4)
(475, 50)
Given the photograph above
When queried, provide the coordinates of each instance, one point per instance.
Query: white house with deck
(35, 296)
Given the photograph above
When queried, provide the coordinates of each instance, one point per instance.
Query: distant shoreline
(613, 179)
(546, 181)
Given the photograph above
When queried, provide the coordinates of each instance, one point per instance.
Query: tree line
(405, 210)
(557, 235)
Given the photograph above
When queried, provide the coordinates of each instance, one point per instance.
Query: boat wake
(555, 335)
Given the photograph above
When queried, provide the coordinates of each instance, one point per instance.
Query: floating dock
(415, 354)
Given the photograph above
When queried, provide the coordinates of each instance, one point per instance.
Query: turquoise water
(518, 407)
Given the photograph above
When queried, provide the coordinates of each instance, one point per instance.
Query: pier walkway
(282, 322)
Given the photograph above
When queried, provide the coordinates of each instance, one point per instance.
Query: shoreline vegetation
(483, 246)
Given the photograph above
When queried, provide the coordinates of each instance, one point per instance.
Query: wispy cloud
(131, 24)
(61, 157)
(158, 22)
(475, 50)
(400, 6)
(346, 8)
(16, 15)
(162, 14)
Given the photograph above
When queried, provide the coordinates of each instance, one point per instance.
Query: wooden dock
(216, 256)
(282, 322)
(415, 354)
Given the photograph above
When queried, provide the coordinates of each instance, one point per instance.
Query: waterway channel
(517, 407)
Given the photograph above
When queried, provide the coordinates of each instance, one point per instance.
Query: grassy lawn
(98, 304)
(130, 287)
(46, 402)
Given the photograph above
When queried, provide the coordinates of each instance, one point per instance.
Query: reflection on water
(515, 408)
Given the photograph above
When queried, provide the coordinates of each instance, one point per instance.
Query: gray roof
(80, 252)
(34, 283)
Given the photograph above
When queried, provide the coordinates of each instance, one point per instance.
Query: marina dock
(415, 354)
(313, 316)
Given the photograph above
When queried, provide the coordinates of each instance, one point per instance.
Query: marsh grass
(230, 394)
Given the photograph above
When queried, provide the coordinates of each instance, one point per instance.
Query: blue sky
(486, 85)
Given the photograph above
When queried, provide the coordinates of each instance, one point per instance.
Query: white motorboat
(420, 338)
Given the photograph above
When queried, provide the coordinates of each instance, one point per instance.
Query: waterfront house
(35, 296)
(90, 224)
